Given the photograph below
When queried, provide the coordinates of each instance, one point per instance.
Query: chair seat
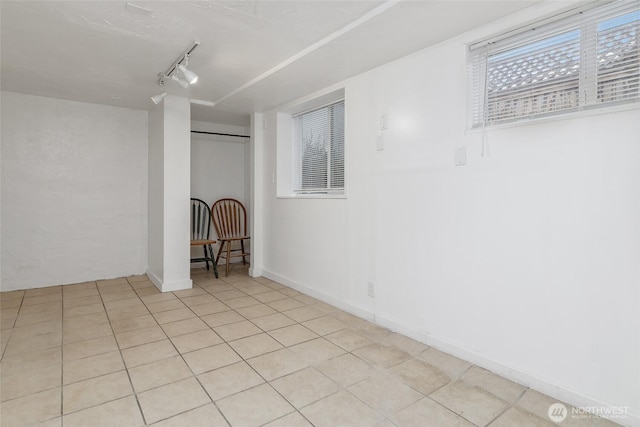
(202, 242)
(226, 239)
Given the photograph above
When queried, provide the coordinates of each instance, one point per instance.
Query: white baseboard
(543, 385)
(528, 379)
(357, 311)
(178, 285)
(155, 280)
(255, 272)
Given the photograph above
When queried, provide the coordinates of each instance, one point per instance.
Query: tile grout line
(236, 352)
(269, 382)
(62, 368)
(266, 382)
(126, 369)
(187, 364)
(377, 339)
(13, 325)
(245, 361)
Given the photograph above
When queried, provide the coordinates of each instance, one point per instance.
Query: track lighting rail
(182, 59)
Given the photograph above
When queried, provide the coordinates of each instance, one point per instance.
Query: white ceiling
(253, 55)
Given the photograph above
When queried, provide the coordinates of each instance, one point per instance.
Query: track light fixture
(181, 82)
(157, 99)
(180, 65)
(188, 74)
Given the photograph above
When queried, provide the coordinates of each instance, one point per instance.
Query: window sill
(585, 112)
(312, 196)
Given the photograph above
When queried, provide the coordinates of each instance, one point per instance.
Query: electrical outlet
(371, 291)
(461, 156)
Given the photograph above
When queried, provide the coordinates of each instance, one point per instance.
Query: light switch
(383, 122)
(382, 128)
(461, 156)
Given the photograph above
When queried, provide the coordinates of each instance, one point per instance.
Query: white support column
(169, 192)
(256, 180)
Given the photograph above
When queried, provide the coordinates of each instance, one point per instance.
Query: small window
(589, 58)
(319, 150)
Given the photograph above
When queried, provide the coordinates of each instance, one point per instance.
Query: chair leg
(244, 259)
(222, 242)
(215, 269)
(219, 252)
(204, 249)
(226, 273)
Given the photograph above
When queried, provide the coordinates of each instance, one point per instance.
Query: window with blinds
(320, 150)
(586, 58)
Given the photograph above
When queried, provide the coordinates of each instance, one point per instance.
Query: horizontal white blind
(588, 59)
(617, 42)
(320, 150)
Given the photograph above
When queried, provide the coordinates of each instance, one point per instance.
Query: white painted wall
(74, 190)
(218, 163)
(219, 167)
(526, 262)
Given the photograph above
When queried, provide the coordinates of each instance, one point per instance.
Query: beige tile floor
(232, 351)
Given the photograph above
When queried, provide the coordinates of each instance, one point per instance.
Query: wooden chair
(230, 220)
(200, 227)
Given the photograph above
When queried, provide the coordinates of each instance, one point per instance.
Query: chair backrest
(229, 218)
(200, 220)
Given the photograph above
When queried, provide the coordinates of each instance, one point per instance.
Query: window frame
(587, 96)
(327, 191)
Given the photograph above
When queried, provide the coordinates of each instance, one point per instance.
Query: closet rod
(221, 134)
